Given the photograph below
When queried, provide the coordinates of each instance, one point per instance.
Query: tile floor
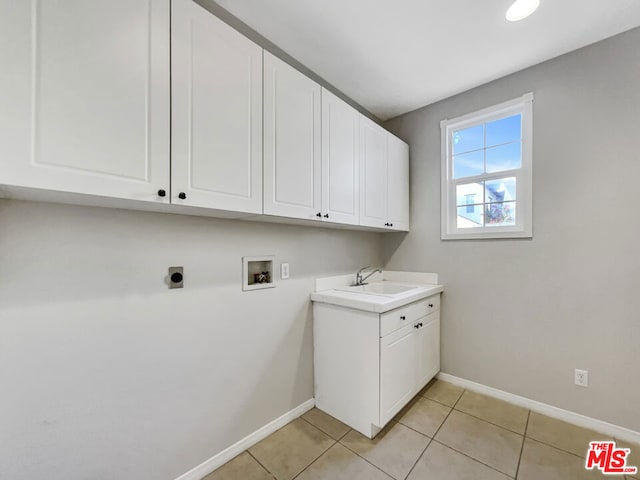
(445, 433)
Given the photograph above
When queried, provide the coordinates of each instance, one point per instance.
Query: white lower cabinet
(398, 368)
(369, 365)
(428, 346)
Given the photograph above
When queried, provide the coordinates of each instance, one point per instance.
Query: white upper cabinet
(216, 76)
(373, 174)
(384, 178)
(161, 102)
(292, 163)
(398, 183)
(340, 160)
(84, 90)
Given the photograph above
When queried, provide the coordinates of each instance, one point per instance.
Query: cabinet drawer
(398, 318)
(433, 303)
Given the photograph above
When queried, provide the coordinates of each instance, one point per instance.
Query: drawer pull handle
(417, 325)
(402, 317)
(420, 324)
(431, 305)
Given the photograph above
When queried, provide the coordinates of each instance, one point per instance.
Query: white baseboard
(237, 448)
(616, 431)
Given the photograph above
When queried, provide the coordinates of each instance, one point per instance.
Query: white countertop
(332, 291)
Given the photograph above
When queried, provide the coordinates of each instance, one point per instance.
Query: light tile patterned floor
(445, 433)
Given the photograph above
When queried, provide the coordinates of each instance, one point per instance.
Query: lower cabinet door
(428, 346)
(397, 370)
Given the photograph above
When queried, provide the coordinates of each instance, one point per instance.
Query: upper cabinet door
(398, 183)
(292, 169)
(84, 91)
(373, 174)
(216, 76)
(340, 160)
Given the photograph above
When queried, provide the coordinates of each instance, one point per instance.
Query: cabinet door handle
(162, 193)
(431, 305)
(420, 324)
(417, 325)
(319, 215)
(182, 195)
(402, 317)
(326, 215)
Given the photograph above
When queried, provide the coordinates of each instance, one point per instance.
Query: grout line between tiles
(321, 453)
(372, 464)
(366, 460)
(419, 457)
(260, 463)
(582, 457)
(316, 426)
(315, 459)
(490, 423)
(524, 437)
(434, 434)
(462, 453)
(345, 434)
(438, 401)
(472, 458)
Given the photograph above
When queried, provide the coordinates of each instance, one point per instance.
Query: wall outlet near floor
(581, 378)
(284, 271)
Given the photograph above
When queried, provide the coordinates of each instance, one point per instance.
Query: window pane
(468, 139)
(505, 157)
(470, 219)
(501, 190)
(500, 214)
(470, 193)
(504, 130)
(468, 164)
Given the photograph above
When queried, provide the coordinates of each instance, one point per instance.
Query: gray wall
(520, 315)
(107, 374)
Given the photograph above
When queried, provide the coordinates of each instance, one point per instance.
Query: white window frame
(523, 228)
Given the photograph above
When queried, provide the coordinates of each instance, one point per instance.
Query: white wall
(107, 374)
(520, 315)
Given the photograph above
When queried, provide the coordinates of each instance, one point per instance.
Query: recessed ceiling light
(521, 9)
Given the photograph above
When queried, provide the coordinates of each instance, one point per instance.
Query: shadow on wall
(392, 242)
(53, 253)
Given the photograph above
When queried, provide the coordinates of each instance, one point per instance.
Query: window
(486, 172)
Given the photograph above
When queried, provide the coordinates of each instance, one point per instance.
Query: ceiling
(395, 56)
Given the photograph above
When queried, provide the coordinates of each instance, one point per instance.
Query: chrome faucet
(360, 280)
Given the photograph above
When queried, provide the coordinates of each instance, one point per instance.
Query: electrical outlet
(284, 271)
(581, 378)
